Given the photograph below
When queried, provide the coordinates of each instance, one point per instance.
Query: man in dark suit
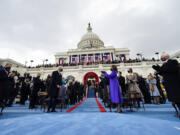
(23, 91)
(73, 91)
(121, 80)
(4, 85)
(55, 85)
(37, 85)
(170, 72)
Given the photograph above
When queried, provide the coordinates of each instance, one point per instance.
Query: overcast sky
(36, 29)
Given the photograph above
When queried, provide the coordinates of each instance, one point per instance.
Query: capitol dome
(90, 40)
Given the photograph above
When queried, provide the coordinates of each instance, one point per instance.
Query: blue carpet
(86, 119)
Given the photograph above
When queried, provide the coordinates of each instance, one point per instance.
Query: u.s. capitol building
(91, 49)
(90, 58)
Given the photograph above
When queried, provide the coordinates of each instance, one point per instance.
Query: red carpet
(101, 108)
(70, 110)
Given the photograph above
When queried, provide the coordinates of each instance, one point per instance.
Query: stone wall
(142, 68)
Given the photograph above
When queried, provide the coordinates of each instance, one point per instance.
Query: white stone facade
(91, 44)
(15, 66)
(176, 56)
(142, 68)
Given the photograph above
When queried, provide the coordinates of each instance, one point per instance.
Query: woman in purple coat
(116, 96)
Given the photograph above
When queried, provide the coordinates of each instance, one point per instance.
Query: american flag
(97, 58)
(108, 58)
(123, 56)
(92, 58)
(91, 43)
(120, 58)
(73, 59)
(76, 60)
(105, 58)
(89, 58)
(85, 60)
(61, 61)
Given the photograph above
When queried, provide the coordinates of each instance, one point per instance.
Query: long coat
(55, 80)
(104, 86)
(116, 96)
(155, 91)
(170, 72)
(37, 85)
(4, 82)
(122, 83)
(144, 87)
(133, 87)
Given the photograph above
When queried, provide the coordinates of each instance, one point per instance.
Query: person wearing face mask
(134, 91)
(55, 85)
(153, 89)
(170, 71)
(115, 90)
(37, 84)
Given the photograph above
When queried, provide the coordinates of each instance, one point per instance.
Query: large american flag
(97, 58)
(61, 61)
(92, 58)
(108, 58)
(85, 60)
(76, 60)
(91, 43)
(122, 57)
(73, 59)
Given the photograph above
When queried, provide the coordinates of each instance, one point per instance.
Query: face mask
(8, 69)
(163, 59)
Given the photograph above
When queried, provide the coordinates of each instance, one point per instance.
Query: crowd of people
(153, 89)
(95, 63)
(55, 89)
(130, 90)
(114, 89)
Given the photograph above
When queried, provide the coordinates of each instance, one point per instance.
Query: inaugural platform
(89, 67)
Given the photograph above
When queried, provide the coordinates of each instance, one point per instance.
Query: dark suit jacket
(55, 80)
(170, 72)
(37, 85)
(121, 81)
(4, 82)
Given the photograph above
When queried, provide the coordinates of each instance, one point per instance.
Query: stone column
(112, 56)
(69, 59)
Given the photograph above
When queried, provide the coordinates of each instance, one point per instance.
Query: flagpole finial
(89, 29)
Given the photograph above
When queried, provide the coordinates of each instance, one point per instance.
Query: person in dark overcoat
(55, 85)
(14, 87)
(170, 71)
(144, 87)
(121, 80)
(4, 85)
(37, 85)
(23, 91)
